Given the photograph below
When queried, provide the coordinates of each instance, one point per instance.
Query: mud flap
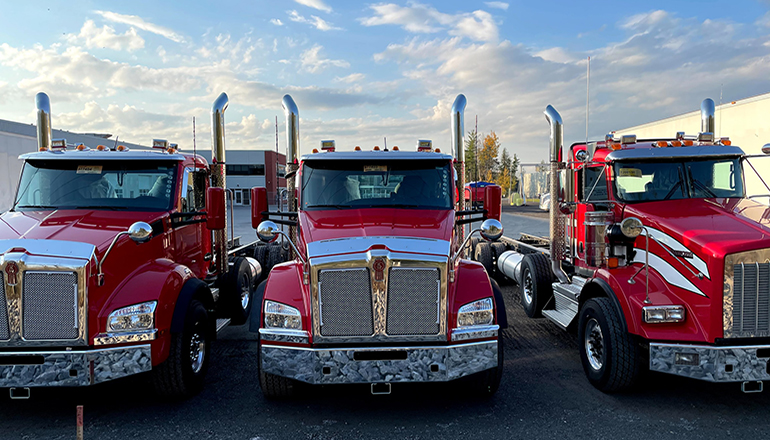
(256, 312)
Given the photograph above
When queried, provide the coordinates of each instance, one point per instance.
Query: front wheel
(611, 359)
(486, 383)
(182, 374)
(273, 386)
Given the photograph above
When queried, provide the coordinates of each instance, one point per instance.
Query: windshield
(654, 181)
(357, 184)
(117, 185)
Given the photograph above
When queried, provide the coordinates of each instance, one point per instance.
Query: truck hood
(95, 227)
(712, 228)
(428, 225)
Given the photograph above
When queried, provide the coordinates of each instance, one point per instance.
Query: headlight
(132, 318)
(661, 314)
(479, 312)
(279, 315)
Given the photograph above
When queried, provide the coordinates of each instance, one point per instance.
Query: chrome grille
(4, 332)
(345, 302)
(751, 299)
(49, 305)
(413, 301)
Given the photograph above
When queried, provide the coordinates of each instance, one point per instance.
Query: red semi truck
(376, 290)
(114, 263)
(658, 257)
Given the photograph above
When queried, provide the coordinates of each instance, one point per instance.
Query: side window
(596, 185)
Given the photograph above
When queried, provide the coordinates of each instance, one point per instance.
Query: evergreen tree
(471, 171)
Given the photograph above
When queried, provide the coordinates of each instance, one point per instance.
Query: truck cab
(108, 268)
(657, 253)
(376, 291)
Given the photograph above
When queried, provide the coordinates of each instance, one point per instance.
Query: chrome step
(565, 305)
(222, 323)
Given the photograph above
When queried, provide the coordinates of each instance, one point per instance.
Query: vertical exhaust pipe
(43, 105)
(707, 119)
(218, 174)
(557, 219)
(292, 155)
(458, 149)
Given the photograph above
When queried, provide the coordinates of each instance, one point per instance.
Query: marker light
(122, 148)
(615, 146)
(437, 150)
(100, 148)
(726, 142)
(661, 144)
(395, 148)
(315, 150)
(688, 143)
(82, 147)
(676, 143)
(357, 148)
(376, 148)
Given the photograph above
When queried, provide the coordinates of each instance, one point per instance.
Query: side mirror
(493, 201)
(140, 232)
(258, 205)
(267, 231)
(491, 229)
(766, 149)
(215, 209)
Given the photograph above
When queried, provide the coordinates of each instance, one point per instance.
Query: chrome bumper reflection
(72, 368)
(709, 363)
(379, 364)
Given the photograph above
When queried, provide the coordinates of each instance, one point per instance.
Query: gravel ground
(543, 395)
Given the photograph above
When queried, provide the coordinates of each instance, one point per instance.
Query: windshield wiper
(114, 208)
(403, 205)
(700, 185)
(330, 206)
(37, 206)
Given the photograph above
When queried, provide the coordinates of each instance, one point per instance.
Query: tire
(535, 284)
(275, 256)
(486, 383)
(180, 376)
(483, 254)
(611, 358)
(239, 290)
(497, 250)
(260, 254)
(471, 248)
(274, 387)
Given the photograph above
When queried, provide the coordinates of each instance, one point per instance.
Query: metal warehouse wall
(11, 146)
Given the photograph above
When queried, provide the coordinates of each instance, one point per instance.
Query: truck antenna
(385, 142)
(588, 89)
(115, 148)
(195, 151)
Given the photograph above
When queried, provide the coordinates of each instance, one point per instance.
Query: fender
(502, 315)
(587, 294)
(472, 283)
(192, 289)
(255, 320)
(284, 285)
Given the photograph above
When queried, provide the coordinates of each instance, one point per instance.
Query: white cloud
(315, 4)
(140, 23)
(318, 22)
(105, 37)
(423, 19)
(276, 21)
(352, 78)
(497, 5)
(556, 54)
(312, 61)
(225, 48)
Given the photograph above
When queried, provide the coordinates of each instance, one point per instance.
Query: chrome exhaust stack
(292, 155)
(458, 149)
(219, 174)
(707, 119)
(43, 105)
(557, 218)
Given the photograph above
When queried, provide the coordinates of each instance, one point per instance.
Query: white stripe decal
(675, 245)
(667, 271)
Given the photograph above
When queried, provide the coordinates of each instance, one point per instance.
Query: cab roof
(376, 155)
(97, 155)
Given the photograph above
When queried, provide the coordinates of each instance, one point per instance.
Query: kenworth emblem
(379, 269)
(11, 269)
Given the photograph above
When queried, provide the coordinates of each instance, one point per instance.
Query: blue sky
(362, 71)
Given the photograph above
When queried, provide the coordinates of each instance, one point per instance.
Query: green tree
(471, 172)
(507, 177)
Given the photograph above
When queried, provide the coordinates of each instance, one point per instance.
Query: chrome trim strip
(362, 244)
(125, 338)
(417, 364)
(284, 335)
(75, 367)
(50, 248)
(376, 155)
(712, 362)
(475, 332)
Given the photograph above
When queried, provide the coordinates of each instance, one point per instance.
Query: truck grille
(49, 305)
(345, 302)
(4, 332)
(751, 300)
(413, 301)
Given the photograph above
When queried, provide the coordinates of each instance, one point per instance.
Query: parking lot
(543, 395)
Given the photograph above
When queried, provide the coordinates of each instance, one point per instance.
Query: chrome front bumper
(379, 364)
(710, 363)
(72, 368)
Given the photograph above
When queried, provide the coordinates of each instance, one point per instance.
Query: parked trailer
(657, 256)
(375, 288)
(118, 262)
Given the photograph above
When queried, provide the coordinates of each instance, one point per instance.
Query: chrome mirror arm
(305, 272)
(99, 273)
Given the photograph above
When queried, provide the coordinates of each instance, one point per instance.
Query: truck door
(188, 229)
(591, 195)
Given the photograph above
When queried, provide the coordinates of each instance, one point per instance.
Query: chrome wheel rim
(527, 288)
(245, 293)
(594, 344)
(197, 352)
